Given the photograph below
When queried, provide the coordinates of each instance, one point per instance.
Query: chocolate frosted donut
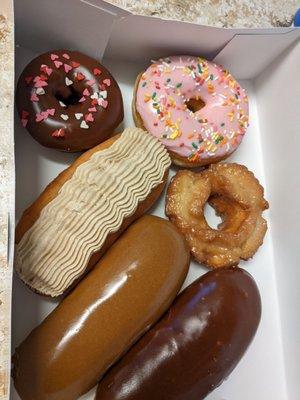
(194, 347)
(68, 101)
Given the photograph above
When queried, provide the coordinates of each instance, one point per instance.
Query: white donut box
(267, 64)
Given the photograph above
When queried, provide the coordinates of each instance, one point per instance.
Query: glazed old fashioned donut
(237, 197)
(68, 101)
(196, 108)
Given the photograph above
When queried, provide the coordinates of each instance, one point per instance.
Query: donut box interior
(266, 62)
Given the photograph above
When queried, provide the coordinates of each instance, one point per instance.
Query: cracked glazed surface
(236, 195)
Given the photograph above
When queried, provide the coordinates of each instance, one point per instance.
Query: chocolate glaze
(128, 290)
(195, 346)
(73, 84)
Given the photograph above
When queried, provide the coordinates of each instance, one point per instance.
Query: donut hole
(224, 213)
(68, 96)
(212, 218)
(195, 104)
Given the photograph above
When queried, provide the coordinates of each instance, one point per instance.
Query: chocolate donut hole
(68, 95)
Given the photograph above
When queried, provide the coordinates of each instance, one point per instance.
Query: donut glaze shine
(196, 344)
(68, 101)
(195, 107)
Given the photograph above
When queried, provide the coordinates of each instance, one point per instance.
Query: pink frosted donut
(194, 107)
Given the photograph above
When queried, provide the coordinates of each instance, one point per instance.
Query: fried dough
(236, 195)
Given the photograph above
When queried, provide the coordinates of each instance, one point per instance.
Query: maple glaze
(128, 290)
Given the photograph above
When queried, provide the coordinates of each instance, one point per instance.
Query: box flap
(107, 7)
(138, 38)
(80, 25)
(90, 25)
(246, 56)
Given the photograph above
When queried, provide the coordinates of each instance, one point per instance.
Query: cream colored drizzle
(102, 192)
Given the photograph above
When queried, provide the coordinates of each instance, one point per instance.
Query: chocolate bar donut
(195, 346)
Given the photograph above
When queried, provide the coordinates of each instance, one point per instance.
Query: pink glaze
(215, 130)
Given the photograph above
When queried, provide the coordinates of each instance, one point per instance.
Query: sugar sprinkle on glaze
(161, 100)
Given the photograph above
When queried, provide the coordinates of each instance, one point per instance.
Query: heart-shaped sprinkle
(28, 79)
(51, 111)
(40, 84)
(102, 87)
(86, 92)
(68, 81)
(80, 76)
(40, 91)
(40, 117)
(95, 96)
(24, 122)
(75, 64)
(67, 68)
(59, 133)
(97, 71)
(107, 82)
(89, 117)
(62, 104)
(91, 82)
(54, 57)
(49, 71)
(103, 103)
(58, 64)
(34, 97)
(78, 115)
(103, 94)
(42, 77)
(94, 102)
(45, 114)
(84, 125)
(25, 114)
(65, 117)
(82, 99)
(66, 56)
(46, 69)
(92, 109)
